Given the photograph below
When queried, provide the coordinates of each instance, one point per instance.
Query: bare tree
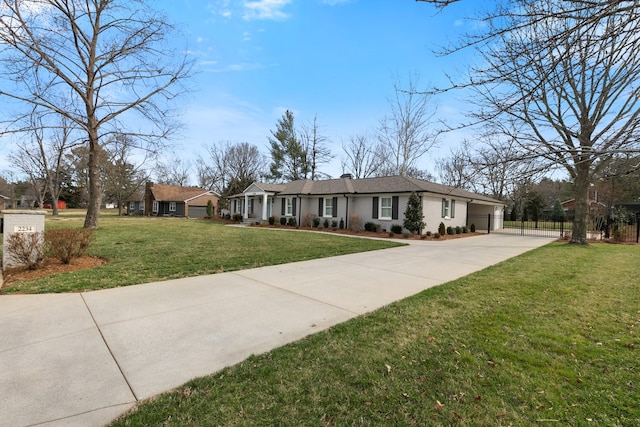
(174, 171)
(406, 134)
(231, 167)
(108, 57)
(124, 175)
(560, 78)
(578, 99)
(315, 144)
(456, 170)
(42, 158)
(362, 158)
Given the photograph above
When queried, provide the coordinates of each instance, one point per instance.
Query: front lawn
(142, 250)
(547, 338)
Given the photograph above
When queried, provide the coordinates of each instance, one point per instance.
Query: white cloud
(265, 9)
(221, 8)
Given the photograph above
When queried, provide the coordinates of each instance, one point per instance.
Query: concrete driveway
(82, 359)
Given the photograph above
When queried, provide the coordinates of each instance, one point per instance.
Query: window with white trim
(132, 206)
(386, 204)
(453, 208)
(142, 205)
(328, 207)
(172, 206)
(445, 208)
(155, 206)
(289, 210)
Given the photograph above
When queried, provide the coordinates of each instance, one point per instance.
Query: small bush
(441, 229)
(450, 230)
(307, 220)
(396, 228)
(66, 244)
(428, 233)
(355, 223)
(334, 224)
(210, 209)
(464, 229)
(370, 226)
(341, 223)
(292, 222)
(272, 220)
(283, 221)
(237, 217)
(472, 228)
(325, 223)
(458, 230)
(26, 249)
(316, 222)
(436, 235)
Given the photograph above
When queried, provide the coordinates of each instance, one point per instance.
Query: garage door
(197, 211)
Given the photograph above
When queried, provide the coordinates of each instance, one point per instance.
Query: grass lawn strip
(548, 337)
(143, 250)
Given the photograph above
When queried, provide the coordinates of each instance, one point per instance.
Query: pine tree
(413, 218)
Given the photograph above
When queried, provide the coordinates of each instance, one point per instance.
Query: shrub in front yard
(334, 224)
(26, 249)
(458, 229)
(371, 226)
(355, 223)
(272, 220)
(65, 244)
(341, 223)
(441, 229)
(237, 217)
(436, 235)
(316, 222)
(292, 222)
(472, 228)
(325, 223)
(283, 221)
(450, 230)
(396, 228)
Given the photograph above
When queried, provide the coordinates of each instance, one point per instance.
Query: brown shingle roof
(174, 193)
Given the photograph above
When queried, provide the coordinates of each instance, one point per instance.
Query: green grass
(142, 250)
(547, 338)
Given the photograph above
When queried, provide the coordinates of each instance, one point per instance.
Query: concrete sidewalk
(82, 359)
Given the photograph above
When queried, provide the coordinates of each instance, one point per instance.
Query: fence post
(522, 226)
(561, 227)
(489, 224)
(637, 227)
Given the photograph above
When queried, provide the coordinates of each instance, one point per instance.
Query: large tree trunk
(582, 182)
(95, 189)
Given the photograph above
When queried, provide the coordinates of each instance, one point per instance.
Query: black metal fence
(598, 228)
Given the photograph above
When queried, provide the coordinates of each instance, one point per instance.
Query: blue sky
(334, 59)
(331, 58)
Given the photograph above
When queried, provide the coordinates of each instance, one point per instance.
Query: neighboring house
(595, 207)
(380, 200)
(135, 205)
(5, 202)
(172, 200)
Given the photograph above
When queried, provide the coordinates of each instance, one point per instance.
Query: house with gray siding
(381, 200)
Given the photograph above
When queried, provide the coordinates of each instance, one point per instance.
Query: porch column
(245, 208)
(265, 198)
